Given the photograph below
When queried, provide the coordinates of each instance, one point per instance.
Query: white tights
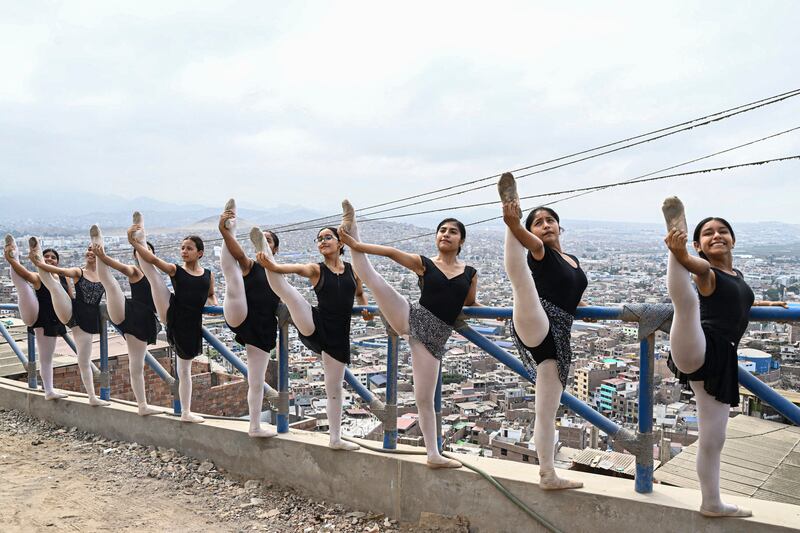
(46, 346)
(424, 366)
(26, 299)
(300, 311)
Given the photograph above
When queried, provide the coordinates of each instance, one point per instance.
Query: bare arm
(212, 296)
(72, 272)
(530, 241)
(24, 273)
(770, 303)
(412, 262)
(472, 294)
(701, 271)
(245, 263)
(130, 271)
(144, 254)
(307, 270)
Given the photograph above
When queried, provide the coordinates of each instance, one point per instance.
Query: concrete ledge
(401, 486)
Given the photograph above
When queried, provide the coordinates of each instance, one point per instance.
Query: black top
(260, 327)
(140, 292)
(86, 305)
(726, 311)
(47, 319)
(336, 293)
(557, 281)
(443, 296)
(185, 314)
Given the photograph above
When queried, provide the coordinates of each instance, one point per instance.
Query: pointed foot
(230, 205)
(259, 241)
(507, 187)
(727, 511)
(192, 418)
(95, 234)
(348, 216)
(674, 214)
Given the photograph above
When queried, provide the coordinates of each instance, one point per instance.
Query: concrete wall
(401, 486)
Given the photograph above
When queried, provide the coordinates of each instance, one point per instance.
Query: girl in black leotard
(36, 311)
(250, 308)
(182, 312)
(447, 285)
(134, 316)
(81, 313)
(547, 284)
(324, 329)
(705, 334)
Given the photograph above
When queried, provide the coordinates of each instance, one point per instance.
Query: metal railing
(639, 443)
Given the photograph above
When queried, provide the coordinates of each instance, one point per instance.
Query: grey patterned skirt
(556, 344)
(428, 329)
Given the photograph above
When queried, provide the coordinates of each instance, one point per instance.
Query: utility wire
(690, 124)
(598, 188)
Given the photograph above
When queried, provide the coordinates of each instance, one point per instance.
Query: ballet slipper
(97, 402)
(139, 235)
(146, 410)
(95, 235)
(192, 418)
(674, 214)
(446, 463)
(264, 433)
(548, 480)
(230, 205)
(348, 216)
(343, 445)
(54, 395)
(271, 394)
(35, 249)
(507, 187)
(728, 511)
(259, 241)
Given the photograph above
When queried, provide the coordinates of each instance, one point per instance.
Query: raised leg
(548, 397)
(257, 360)
(115, 299)
(62, 303)
(26, 296)
(530, 320)
(712, 420)
(235, 304)
(686, 339)
(334, 375)
(158, 288)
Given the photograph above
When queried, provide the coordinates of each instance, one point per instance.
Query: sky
(304, 103)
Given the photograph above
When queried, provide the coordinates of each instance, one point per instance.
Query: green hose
(496, 484)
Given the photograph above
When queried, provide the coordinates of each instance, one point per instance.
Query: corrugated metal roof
(761, 459)
(622, 463)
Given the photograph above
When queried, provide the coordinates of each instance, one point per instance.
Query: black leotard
(140, 313)
(335, 298)
(724, 318)
(443, 296)
(557, 281)
(260, 327)
(185, 313)
(47, 319)
(86, 305)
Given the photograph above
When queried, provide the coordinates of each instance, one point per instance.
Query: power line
(612, 185)
(701, 121)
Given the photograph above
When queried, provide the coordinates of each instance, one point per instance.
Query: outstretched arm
(24, 273)
(307, 270)
(245, 263)
(128, 270)
(530, 241)
(770, 303)
(72, 272)
(704, 277)
(412, 262)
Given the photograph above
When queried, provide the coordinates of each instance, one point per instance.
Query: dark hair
(460, 225)
(335, 234)
(699, 228)
(198, 242)
(275, 240)
(532, 215)
(52, 251)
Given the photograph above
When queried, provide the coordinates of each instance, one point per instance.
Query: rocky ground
(62, 479)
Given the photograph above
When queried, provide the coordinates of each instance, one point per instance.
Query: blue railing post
(32, 381)
(644, 455)
(283, 375)
(14, 346)
(390, 416)
(105, 378)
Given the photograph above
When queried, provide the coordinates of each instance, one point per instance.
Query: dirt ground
(61, 479)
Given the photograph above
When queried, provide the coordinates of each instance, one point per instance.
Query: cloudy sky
(304, 103)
